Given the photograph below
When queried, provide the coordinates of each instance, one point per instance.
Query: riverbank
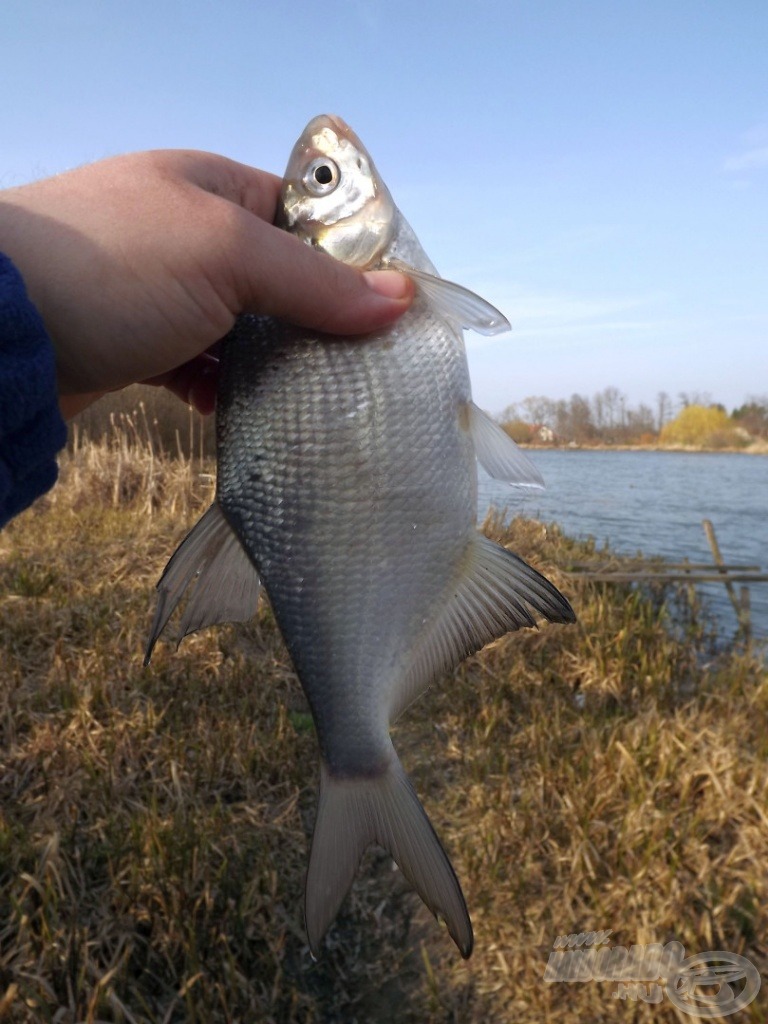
(755, 448)
(653, 503)
(155, 823)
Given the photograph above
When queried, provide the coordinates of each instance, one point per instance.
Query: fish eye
(321, 177)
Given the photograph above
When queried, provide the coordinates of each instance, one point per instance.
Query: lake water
(654, 502)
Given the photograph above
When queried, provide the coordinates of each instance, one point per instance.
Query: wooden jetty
(658, 571)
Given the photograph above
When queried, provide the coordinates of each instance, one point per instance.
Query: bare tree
(687, 398)
(609, 417)
(753, 415)
(640, 422)
(598, 411)
(539, 411)
(582, 427)
(613, 405)
(509, 413)
(663, 409)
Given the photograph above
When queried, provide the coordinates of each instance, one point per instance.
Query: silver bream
(347, 483)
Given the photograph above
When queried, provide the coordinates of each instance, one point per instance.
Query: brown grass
(154, 823)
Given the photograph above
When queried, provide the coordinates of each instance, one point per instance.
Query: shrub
(695, 425)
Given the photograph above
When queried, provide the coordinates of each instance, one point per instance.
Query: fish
(347, 489)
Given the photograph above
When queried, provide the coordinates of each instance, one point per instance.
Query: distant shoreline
(759, 448)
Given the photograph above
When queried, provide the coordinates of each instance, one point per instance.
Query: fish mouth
(325, 135)
(333, 121)
(336, 125)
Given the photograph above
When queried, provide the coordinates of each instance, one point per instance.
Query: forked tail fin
(383, 809)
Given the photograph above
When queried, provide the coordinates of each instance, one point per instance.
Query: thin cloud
(567, 310)
(558, 310)
(749, 160)
(562, 316)
(754, 154)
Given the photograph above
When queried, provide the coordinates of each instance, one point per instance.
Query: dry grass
(148, 414)
(154, 824)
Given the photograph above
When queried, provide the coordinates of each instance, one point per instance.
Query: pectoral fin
(454, 302)
(498, 454)
(226, 585)
(497, 593)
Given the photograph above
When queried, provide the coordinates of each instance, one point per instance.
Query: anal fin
(497, 594)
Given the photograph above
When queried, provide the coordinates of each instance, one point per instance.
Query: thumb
(283, 277)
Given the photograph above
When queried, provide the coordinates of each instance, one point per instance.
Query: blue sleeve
(32, 430)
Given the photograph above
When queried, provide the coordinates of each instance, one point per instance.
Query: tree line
(604, 419)
(608, 418)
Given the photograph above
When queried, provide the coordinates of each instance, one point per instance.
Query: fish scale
(347, 486)
(346, 496)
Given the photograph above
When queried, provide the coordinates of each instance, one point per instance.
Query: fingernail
(389, 283)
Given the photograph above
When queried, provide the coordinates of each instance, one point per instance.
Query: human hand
(138, 264)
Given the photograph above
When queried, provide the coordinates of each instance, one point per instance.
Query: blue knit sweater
(31, 428)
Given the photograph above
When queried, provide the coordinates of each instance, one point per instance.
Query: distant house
(541, 432)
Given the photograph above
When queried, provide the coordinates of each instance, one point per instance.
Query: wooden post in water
(746, 620)
(741, 607)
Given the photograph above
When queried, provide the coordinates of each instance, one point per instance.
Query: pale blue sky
(599, 170)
